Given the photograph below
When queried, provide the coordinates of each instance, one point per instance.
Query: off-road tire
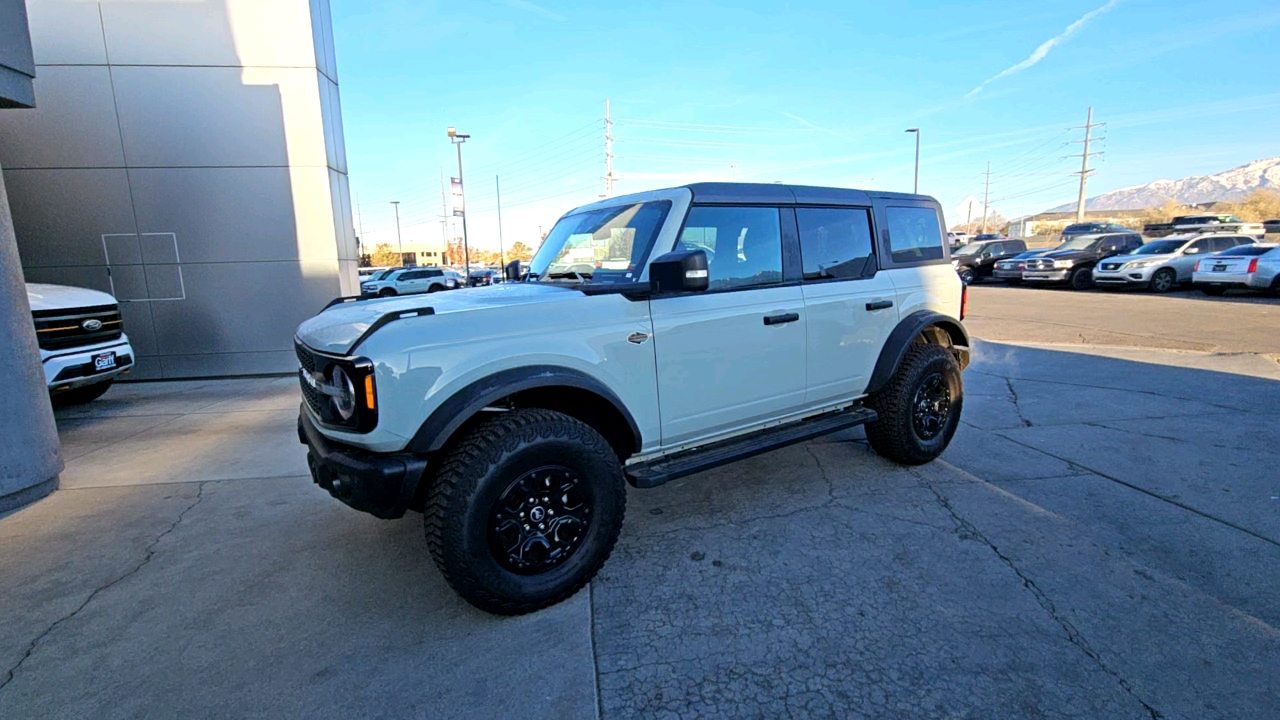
(893, 435)
(1157, 286)
(1081, 278)
(387, 292)
(478, 468)
(1213, 291)
(80, 395)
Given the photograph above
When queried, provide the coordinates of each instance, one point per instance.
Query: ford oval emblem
(91, 325)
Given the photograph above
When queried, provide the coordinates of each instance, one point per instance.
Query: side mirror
(512, 271)
(1191, 251)
(679, 271)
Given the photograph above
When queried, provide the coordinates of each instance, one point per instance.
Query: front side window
(1198, 247)
(834, 243)
(743, 244)
(915, 235)
(604, 245)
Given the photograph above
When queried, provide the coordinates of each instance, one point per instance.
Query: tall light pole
(915, 188)
(457, 139)
(399, 242)
(502, 261)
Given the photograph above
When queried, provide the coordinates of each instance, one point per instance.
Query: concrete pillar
(30, 456)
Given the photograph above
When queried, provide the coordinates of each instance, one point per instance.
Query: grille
(307, 362)
(1110, 266)
(59, 329)
(1039, 264)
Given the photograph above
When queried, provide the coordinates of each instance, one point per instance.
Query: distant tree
(385, 256)
(1261, 204)
(519, 251)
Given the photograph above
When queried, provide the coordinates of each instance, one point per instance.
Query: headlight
(1140, 264)
(344, 395)
(1062, 264)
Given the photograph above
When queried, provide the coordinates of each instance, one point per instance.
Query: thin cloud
(1040, 52)
(535, 9)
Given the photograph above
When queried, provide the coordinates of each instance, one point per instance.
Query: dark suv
(1075, 229)
(975, 261)
(1072, 262)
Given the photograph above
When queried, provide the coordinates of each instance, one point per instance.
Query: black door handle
(779, 319)
(880, 305)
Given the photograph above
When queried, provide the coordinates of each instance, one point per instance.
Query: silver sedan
(1248, 267)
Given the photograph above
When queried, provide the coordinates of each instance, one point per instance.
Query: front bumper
(1000, 274)
(381, 484)
(1124, 277)
(75, 367)
(1045, 276)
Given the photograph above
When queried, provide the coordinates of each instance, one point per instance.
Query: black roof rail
(342, 300)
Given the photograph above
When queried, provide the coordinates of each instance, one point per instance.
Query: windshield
(1080, 243)
(970, 249)
(1246, 251)
(1159, 247)
(604, 245)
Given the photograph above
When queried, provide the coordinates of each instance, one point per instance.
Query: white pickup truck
(83, 347)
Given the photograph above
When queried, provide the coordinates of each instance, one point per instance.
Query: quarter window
(834, 243)
(914, 234)
(743, 244)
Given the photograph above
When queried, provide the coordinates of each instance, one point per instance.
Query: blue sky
(806, 92)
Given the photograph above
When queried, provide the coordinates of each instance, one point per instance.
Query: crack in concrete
(1042, 598)
(1018, 408)
(595, 654)
(149, 553)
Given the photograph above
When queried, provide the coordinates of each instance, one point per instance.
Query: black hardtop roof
(779, 194)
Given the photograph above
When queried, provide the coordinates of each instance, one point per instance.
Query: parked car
(1072, 262)
(373, 273)
(984, 237)
(1161, 265)
(487, 276)
(1010, 269)
(513, 415)
(1248, 267)
(976, 261)
(1075, 229)
(83, 348)
(410, 281)
(958, 239)
(1271, 226)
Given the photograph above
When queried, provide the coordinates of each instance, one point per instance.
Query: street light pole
(457, 139)
(502, 261)
(399, 242)
(916, 186)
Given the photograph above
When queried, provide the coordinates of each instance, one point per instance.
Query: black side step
(668, 468)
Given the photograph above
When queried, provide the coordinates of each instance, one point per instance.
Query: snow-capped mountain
(1233, 184)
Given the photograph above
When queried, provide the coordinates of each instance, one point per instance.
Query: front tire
(1081, 278)
(387, 292)
(524, 510)
(919, 410)
(1163, 281)
(80, 395)
(967, 276)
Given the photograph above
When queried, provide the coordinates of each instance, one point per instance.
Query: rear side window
(1222, 243)
(834, 242)
(915, 235)
(743, 244)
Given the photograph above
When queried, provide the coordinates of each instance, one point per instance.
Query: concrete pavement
(1101, 540)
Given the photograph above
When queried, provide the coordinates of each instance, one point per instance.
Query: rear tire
(80, 395)
(387, 292)
(1214, 291)
(913, 427)
(434, 288)
(1163, 281)
(1081, 278)
(496, 539)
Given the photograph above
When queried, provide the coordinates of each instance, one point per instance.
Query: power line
(1089, 125)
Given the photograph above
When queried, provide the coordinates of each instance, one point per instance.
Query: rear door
(734, 355)
(1185, 262)
(850, 306)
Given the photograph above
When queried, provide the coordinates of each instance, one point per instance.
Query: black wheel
(967, 276)
(387, 292)
(1163, 281)
(1210, 290)
(434, 288)
(80, 395)
(524, 510)
(1081, 278)
(919, 409)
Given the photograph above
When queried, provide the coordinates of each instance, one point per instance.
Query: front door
(734, 355)
(851, 308)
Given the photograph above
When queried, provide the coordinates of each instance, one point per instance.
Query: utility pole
(915, 188)
(502, 262)
(360, 226)
(1089, 125)
(986, 196)
(608, 151)
(399, 242)
(444, 217)
(457, 139)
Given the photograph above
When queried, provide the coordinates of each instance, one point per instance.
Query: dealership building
(186, 156)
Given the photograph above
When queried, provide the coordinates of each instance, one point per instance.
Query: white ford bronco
(656, 335)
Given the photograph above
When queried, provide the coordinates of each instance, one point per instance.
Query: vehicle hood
(1029, 254)
(64, 297)
(338, 328)
(1069, 254)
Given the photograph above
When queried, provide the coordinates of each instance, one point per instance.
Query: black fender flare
(895, 347)
(445, 420)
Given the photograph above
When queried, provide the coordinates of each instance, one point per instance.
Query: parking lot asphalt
(1101, 540)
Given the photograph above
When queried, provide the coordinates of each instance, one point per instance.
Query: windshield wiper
(570, 274)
